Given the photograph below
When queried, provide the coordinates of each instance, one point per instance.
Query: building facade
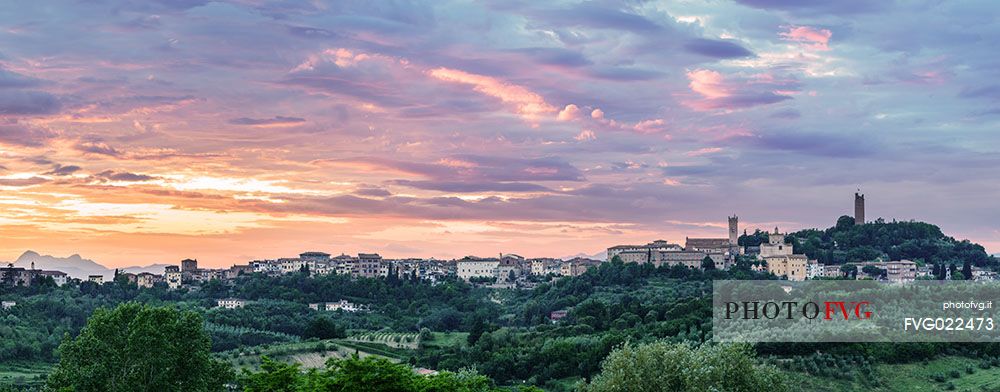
(231, 303)
(474, 267)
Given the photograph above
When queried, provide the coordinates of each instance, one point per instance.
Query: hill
(896, 240)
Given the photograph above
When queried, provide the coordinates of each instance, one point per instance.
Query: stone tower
(734, 233)
(859, 208)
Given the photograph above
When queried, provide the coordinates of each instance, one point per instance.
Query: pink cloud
(340, 56)
(529, 105)
(644, 126)
(813, 38)
(737, 92)
(709, 84)
(569, 113)
(586, 135)
(649, 126)
(703, 151)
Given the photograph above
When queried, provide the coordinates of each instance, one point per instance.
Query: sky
(137, 132)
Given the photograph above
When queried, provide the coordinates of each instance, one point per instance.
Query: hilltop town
(777, 256)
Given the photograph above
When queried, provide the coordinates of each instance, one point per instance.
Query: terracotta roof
(707, 243)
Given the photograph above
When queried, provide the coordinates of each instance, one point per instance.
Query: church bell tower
(734, 233)
(859, 208)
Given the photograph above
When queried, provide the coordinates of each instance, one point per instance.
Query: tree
(273, 377)
(137, 347)
(375, 374)
(478, 328)
(845, 222)
(323, 328)
(849, 271)
(664, 366)
(372, 373)
(967, 270)
(426, 334)
(707, 263)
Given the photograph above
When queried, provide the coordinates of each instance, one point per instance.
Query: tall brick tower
(734, 233)
(859, 208)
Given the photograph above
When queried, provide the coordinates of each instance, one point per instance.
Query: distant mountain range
(595, 256)
(78, 267)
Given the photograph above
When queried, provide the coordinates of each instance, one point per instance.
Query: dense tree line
(607, 306)
(917, 241)
(135, 347)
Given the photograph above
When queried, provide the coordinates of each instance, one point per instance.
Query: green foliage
(662, 366)
(707, 263)
(847, 242)
(323, 328)
(758, 237)
(137, 347)
(360, 374)
(426, 334)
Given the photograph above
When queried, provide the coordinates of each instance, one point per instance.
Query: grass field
(310, 354)
(447, 339)
(915, 377)
(22, 373)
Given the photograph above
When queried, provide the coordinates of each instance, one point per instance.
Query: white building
(339, 305)
(231, 303)
(321, 268)
(265, 266)
(367, 265)
(474, 267)
(775, 246)
(146, 279)
(315, 256)
(901, 271)
(57, 276)
(814, 269)
(655, 246)
(287, 265)
(541, 267)
(6, 305)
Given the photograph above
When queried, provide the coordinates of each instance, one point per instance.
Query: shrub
(970, 369)
(955, 374)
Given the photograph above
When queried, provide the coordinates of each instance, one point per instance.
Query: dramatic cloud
(717, 49)
(466, 187)
(570, 112)
(476, 167)
(707, 83)
(720, 93)
(248, 129)
(810, 37)
(60, 170)
(23, 102)
(10, 79)
(22, 182)
(97, 148)
(14, 133)
(276, 121)
(586, 135)
(528, 104)
(123, 176)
